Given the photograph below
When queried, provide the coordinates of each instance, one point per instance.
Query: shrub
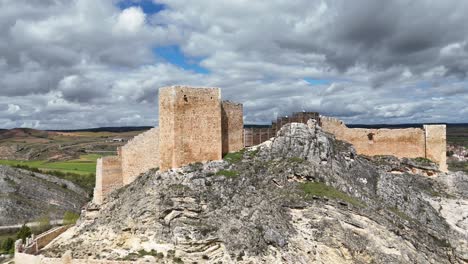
(70, 218)
(23, 233)
(8, 246)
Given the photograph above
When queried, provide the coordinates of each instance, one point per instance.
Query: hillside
(303, 197)
(31, 144)
(27, 196)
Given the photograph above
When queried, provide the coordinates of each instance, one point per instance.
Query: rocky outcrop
(26, 196)
(302, 197)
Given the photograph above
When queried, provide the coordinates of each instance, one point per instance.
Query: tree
(23, 233)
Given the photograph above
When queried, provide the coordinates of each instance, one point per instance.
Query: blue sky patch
(317, 81)
(175, 56)
(148, 6)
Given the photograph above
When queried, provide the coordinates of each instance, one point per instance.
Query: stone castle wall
(108, 177)
(194, 127)
(189, 125)
(232, 125)
(256, 135)
(408, 142)
(436, 144)
(140, 155)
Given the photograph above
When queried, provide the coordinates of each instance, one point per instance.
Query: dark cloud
(87, 63)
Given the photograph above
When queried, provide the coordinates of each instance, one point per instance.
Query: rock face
(302, 197)
(26, 196)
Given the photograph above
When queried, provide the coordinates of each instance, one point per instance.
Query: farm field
(86, 164)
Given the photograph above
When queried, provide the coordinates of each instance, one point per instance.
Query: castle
(196, 126)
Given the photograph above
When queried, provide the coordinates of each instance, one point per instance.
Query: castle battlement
(195, 126)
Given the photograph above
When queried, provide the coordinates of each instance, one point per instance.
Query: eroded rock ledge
(302, 197)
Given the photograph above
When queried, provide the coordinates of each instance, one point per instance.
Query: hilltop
(302, 197)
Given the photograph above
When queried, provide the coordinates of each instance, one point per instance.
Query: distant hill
(107, 129)
(33, 144)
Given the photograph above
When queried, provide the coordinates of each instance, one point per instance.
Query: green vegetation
(44, 224)
(23, 233)
(141, 253)
(400, 214)
(84, 165)
(423, 160)
(80, 171)
(296, 160)
(234, 157)
(85, 181)
(253, 153)
(7, 246)
(228, 173)
(321, 190)
(70, 218)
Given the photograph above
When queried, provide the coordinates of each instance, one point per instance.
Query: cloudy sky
(84, 63)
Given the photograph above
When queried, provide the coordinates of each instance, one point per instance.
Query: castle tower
(189, 125)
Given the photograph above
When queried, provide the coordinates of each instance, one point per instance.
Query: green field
(85, 165)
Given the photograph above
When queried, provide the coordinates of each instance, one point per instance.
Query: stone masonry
(428, 142)
(108, 177)
(140, 155)
(189, 125)
(195, 126)
(232, 126)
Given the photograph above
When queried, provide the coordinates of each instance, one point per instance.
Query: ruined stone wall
(108, 177)
(408, 142)
(232, 125)
(436, 145)
(140, 155)
(189, 125)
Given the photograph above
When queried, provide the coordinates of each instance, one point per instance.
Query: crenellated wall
(140, 155)
(407, 142)
(232, 125)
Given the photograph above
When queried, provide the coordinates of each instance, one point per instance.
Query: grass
(322, 190)
(86, 164)
(234, 157)
(296, 160)
(80, 171)
(423, 160)
(228, 173)
(401, 214)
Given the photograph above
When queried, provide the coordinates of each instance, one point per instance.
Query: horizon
(245, 125)
(97, 64)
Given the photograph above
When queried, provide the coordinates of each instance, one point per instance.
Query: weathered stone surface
(25, 196)
(255, 210)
